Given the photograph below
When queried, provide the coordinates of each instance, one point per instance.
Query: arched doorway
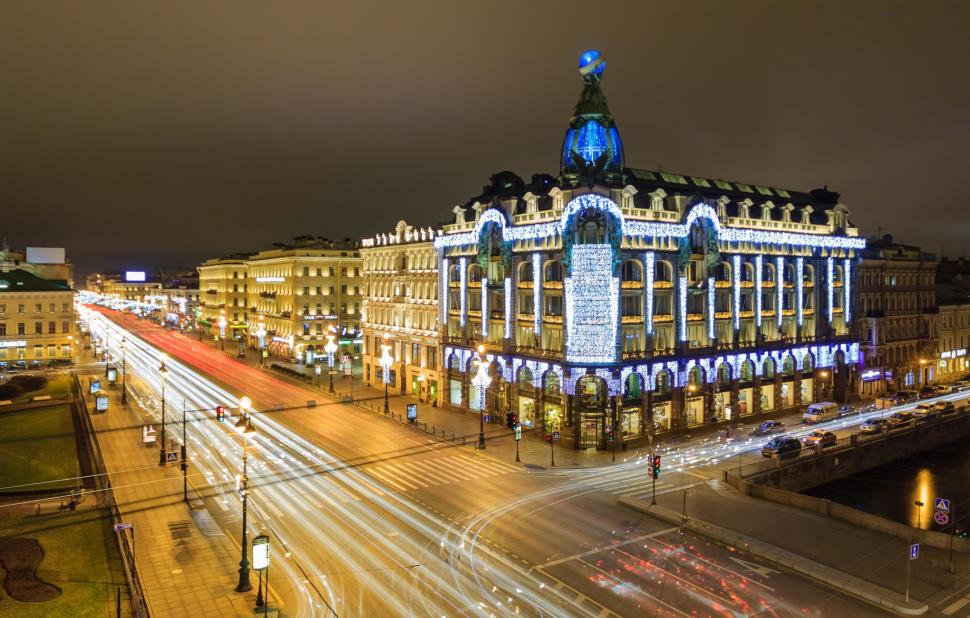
(591, 402)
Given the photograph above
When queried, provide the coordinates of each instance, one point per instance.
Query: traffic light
(510, 420)
(656, 466)
(220, 414)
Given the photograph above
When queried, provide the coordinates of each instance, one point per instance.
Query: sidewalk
(457, 426)
(787, 534)
(185, 570)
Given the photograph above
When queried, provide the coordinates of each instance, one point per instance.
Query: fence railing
(103, 481)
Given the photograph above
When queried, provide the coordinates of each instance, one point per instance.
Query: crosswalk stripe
(442, 471)
(399, 476)
(500, 467)
(386, 479)
(956, 606)
(373, 488)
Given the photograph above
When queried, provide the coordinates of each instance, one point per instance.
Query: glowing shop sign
(270, 279)
(13, 344)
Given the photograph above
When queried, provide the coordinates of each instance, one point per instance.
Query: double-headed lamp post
(386, 361)
(124, 373)
(222, 329)
(261, 335)
(163, 372)
(245, 428)
(481, 380)
(330, 348)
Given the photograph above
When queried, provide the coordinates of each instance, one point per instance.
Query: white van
(820, 412)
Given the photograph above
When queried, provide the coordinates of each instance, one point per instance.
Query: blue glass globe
(591, 62)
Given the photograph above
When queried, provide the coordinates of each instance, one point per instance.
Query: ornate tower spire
(592, 148)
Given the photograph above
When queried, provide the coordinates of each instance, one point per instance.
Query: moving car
(820, 436)
(961, 385)
(768, 427)
(873, 425)
(899, 419)
(927, 391)
(784, 447)
(943, 389)
(820, 412)
(905, 396)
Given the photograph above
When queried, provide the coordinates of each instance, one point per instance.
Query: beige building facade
(401, 311)
(953, 362)
(223, 293)
(36, 319)
(898, 321)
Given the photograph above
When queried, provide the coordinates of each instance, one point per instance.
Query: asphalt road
(379, 520)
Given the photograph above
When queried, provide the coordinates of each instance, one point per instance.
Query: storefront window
(454, 392)
(767, 397)
(807, 391)
(553, 418)
(527, 412)
(722, 405)
(695, 411)
(787, 395)
(745, 402)
(630, 423)
(661, 416)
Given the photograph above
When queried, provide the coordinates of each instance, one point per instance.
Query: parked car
(943, 389)
(820, 412)
(925, 410)
(768, 427)
(947, 408)
(873, 425)
(904, 396)
(961, 385)
(820, 436)
(899, 418)
(927, 391)
(784, 447)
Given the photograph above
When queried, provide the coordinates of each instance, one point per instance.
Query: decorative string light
(485, 316)
(591, 328)
(648, 261)
(847, 289)
(462, 290)
(508, 308)
(758, 266)
(537, 292)
(779, 288)
(443, 295)
(799, 285)
(710, 308)
(736, 289)
(682, 307)
(829, 291)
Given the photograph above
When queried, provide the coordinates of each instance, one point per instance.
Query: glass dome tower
(592, 145)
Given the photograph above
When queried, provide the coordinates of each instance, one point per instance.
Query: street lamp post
(163, 372)
(246, 429)
(124, 373)
(330, 348)
(185, 452)
(261, 335)
(316, 370)
(386, 361)
(222, 330)
(481, 380)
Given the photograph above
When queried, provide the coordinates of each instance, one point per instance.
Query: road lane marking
(644, 592)
(605, 548)
(956, 606)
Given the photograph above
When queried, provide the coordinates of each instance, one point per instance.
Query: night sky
(163, 133)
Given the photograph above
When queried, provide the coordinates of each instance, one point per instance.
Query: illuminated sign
(13, 344)
(871, 374)
(954, 353)
(260, 552)
(134, 275)
(270, 279)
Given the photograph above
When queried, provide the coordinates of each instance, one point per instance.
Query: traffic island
(834, 578)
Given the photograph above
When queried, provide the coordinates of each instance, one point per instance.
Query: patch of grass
(80, 557)
(58, 386)
(37, 445)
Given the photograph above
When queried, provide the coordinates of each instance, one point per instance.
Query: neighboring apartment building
(298, 291)
(181, 294)
(620, 301)
(223, 292)
(401, 310)
(36, 318)
(898, 323)
(953, 299)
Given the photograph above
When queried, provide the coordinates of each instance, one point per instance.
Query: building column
(736, 297)
(758, 272)
(756, 395)
(537, 299)
(799, 292)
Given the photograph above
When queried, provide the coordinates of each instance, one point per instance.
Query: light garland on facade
(779, 288)
(736, 289)
(682, 308)
(648, 261)
(645, 229)
(829, 291)
(444, 298)
(591, 328)
(758, 267)
(847, 289)
(710, 308)
(508, 308)
(485, 317)
(462, 290)
(799, 287)
(537, 292)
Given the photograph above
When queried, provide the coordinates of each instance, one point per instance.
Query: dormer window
(722, 203)
(786, 212)
(626, 197)
(657, 199)
(807, 215)
(744, 208)
(766, 211)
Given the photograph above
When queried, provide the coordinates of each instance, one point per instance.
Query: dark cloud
(170, 132)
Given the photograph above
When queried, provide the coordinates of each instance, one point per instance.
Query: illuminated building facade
(36, 319)
(898, 320)
(299, 290)
(401, 301)
(223, 290)
(614, 301)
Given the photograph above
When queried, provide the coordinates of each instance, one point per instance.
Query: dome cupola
(592, 146)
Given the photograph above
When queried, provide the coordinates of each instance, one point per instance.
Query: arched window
(696, 377)
(663, 271)
(454, 275)
(552, 386)
(553, 272)
(808, 363)
(724, 373)
(788, 368)
(525, 271)
(631, 271)
(631, 388)
(662, 386)
(525, 379)
(474, 273)
(591, 227)
(747, 371)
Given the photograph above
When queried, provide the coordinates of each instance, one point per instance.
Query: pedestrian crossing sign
(171, 457)
(942, 504)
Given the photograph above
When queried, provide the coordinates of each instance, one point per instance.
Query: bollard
(434, 429)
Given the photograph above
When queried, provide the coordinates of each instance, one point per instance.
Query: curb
(833, 578)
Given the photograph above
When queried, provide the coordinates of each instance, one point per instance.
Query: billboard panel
(134, 275)
(46, 255)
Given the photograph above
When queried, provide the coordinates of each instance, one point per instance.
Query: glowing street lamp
(481, 380)
(386, 361)
(124, 373)
(163, 372)
(245, 428)
(261, 335)
(222, 329)
(330, 348)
